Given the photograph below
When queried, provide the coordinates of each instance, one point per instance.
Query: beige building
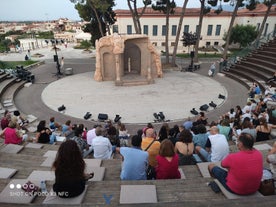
(213, 28)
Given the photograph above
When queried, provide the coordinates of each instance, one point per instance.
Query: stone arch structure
(120, 55)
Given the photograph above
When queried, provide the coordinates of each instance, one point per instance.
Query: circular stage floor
(175, 95)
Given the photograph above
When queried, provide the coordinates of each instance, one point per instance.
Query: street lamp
(57, 60)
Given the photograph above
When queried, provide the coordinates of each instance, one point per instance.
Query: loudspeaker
(212, 104)
(87, 115)
(117, 118)
(161, 115)
(102, 117)
(55, 58)
(61, 108)
(194, 112)
(192, 54)
(204, 107)
(156, 116)
(221, 96)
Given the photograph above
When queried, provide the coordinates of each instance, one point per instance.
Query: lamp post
(57, 60)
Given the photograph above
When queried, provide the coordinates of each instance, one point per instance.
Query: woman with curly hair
(69, 169)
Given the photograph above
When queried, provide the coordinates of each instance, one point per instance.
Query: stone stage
(175, 95)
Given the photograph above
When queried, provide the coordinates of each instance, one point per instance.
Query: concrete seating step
(6, 173)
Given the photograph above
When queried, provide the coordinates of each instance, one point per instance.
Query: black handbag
(150, 171)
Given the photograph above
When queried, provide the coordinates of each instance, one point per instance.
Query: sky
(44, 10)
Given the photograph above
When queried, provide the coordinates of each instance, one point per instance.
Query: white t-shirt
(90, 136)
(219, 147)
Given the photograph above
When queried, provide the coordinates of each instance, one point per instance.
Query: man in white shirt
(91, 135)
(101, 145)
(216, 148)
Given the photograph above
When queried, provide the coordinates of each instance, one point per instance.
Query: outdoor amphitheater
(175, 94)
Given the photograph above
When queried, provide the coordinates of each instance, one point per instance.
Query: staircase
(258, 66)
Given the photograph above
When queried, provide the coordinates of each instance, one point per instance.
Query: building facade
(214, 26)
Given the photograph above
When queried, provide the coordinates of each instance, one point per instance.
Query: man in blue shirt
(135, 160)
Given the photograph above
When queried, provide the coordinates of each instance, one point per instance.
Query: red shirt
(11, 136)
(245, 170)
(167, 169)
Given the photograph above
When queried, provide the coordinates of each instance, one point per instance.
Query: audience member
(216, 147)
(53, 125)
(163, 132)
(5, 120)
(123, 135)
(154, 146)
(271, 157)
(202, 119)
(82, 144)
(174, 133)
(67, 128)
(101, 145)
(188, 124)
(91, 134)
(200, 139)
(263, 130)
(22, 123)
(167, 162)
(247, 127)
(225, 129)
(12, 135)
(84, 131)
(69, 168)
(184, 147)
(135, 160)
(244, 168)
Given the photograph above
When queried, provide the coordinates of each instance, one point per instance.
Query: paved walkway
(175, 95)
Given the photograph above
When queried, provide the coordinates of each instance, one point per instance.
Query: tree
(167, 7)
(269, 4)
(243, 34)
(203, 10)
(132, 4)
(99, 13)
(178, 32)
(239, 3)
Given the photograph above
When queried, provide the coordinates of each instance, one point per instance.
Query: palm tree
(178, 32)
(269, 4)
(135, 14)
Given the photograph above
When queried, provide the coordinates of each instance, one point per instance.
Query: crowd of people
(163, 150)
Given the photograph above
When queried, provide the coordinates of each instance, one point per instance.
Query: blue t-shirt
(200, 140)
(134, 164)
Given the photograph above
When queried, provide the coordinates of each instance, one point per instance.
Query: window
(174, 27)
(266, 27)
(154, 30)
(146, 29)
(216, 43)
(186, 28)
(172, 44)
(209, 31)
(164, 30)
(115, 29)
(208, 44)
(154, 43)
(129, 29)
(163, 44)
(218, 28)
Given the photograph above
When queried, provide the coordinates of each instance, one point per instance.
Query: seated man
(217, 147)
(151, 145)
(101, 145)
(245, 168)
(82, 144)
(135, 160)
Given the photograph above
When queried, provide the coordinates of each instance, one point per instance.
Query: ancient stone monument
(123, 58)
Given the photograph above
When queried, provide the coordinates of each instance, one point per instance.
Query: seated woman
(44, 134)
(167, 162)
(69, 169)
(184, 147)
(263, 130)
(67, 128)
(54, 125)
(12, 135)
